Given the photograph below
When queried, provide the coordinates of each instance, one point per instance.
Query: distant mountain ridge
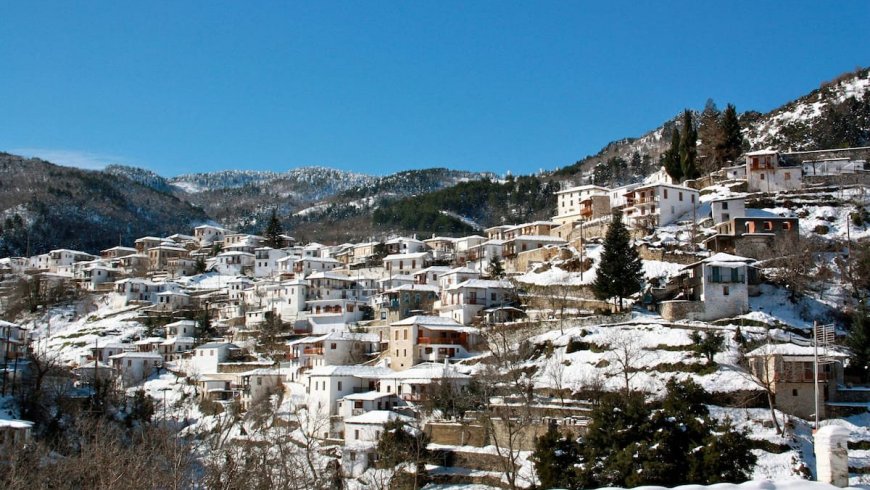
(330, 204)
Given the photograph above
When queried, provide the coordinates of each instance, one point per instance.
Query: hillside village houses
(366, 329)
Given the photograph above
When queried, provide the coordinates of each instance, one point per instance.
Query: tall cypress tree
(732, 138)
(671, 157)
(620, 271)
(689, 147)
(274, 231)
(710, 136)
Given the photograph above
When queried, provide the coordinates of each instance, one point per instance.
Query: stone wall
(456, 434)
(521, 262)
(677, 257)
(681, 309)
(862, 178)
(796, 157)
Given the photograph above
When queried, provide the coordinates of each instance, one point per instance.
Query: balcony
(313, 351)
(460, 339)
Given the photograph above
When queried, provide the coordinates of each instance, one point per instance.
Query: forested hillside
(484, 202)
(48, 206)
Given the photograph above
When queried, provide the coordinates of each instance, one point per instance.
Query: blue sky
(377, 87)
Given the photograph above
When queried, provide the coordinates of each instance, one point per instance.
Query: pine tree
(688, 148)
(554, 458)
(732, 138)
(274, 231)
(671, 157)
(858, 342)
(620, 271)
(635, 167)
(495, 269)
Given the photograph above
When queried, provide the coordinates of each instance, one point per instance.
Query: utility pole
(816, 372)
(582, 250)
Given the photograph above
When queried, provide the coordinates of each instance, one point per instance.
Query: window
(259, 381)
(332, 346)
(768, 225)
(724, 205)
(787, 176)
(339, 386)
(761, 176)
(786, 226)
(794, 392)
(356, 434)
(680, 196)
(725, 291)
(665, 194)
(405, 334)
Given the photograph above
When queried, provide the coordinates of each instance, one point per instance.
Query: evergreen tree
(495, 269)
(274, 231)
(688, 148)
(858, 342)
(635, 167)
(200, 265)
(711, 136)
(554, 458)
(620, 271)
(670, 159)
(602, 175)
(732, 139)
(708, 345)
(630, 443)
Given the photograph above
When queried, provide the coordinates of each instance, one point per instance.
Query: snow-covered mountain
(837, 114)
(313, 180)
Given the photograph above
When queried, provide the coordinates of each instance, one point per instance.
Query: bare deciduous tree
(626, 355)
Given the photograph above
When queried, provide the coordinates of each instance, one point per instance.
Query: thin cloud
(71, 158)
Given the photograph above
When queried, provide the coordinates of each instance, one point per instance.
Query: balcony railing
(313, 351)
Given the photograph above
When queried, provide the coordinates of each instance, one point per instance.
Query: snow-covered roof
(425, 320)
(119, 248)
(415, 255)
(425, 372)
(377, 417)
(481, 284)
(439, 323)
(793, 350)
(329, 275)
(434, 268)
(368, 396)
(15, 424)
(461, 270)
(217, 345)
(354, 336)
(137, 355)
(539, 238)
(235, 253)
(178, 340)
(761, 152)
(723, 259)
(415, 287)
(356, 371)
(149, 340)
